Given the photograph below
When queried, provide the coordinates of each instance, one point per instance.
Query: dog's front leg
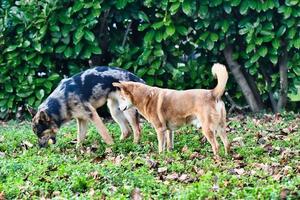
(133, 119)
(100, 126)
(161, 135)
(170, 140)
(81, 131)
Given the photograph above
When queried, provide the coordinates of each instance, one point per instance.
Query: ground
(264, 163)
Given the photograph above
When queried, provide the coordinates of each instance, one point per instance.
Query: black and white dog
(78, 97)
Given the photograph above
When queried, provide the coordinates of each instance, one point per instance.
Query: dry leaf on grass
(183, 177)
(196, 155)
(136, 194)
(26, 144)
(1, 138)
(151, 163)
(284, 193)
(185, 149)
(237, 171)
(162, 169)
(237, 156)
(172, 176)
(98, 159)
(2, 196)
(238, 141)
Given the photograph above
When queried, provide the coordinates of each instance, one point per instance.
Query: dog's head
(126, 100)
(44, 127)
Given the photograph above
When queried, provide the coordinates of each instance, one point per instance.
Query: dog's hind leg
(221, 127)
(119, 117)
(100, 126)
(133, 118)
(223, 135)
(210, 135)
(81, 130)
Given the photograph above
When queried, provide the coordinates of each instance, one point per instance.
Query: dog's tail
(219, 71)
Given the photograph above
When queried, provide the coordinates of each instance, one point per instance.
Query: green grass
(264, 163)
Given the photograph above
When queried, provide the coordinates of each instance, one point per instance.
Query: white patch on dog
(219, 106)
(117, 74)
(195, 122)
(97, 91)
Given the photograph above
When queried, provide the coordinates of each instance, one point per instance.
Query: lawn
(265, 163)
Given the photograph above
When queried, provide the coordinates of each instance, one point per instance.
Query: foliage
(170, 43)
(264, 163)
(38, 40)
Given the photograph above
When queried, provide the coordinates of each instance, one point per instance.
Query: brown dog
(168, 109)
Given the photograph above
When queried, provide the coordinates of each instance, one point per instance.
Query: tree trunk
(235, 68)
(253, 88)
(102, 37)
(270, 93)
(283, 69)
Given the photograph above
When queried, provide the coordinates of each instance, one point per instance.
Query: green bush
(40, 41)
(169, 43)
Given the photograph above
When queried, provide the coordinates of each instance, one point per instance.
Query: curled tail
(219, 71)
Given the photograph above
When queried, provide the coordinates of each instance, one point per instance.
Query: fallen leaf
(203, 140)
(235, 171)
(151, 163)
(196, 155)
(98, 159)
(277, 177)
(226, 183)
(162, 169)
(26, 144)
(240, 171)
(2, 196)
(286, 170)
(278, 117)
(216, 185)
(108, 150)
(262, 140)
(1, 138)
(56, 193)
(73, 141)
(118, 159)
(199, 172)
(237, 156)
(172, 176)
(239, 164)
(136, 194)
(185, 149)
(269, 148)
(95, 175)
(284, 193)
(92, 192)
(183, 177)
(238, 141)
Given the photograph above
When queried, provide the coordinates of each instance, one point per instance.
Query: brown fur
(168, 109)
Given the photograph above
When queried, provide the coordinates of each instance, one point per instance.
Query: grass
(264, 163)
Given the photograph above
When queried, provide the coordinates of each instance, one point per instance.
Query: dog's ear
(44, 116)
(118, 85)
(31, 111)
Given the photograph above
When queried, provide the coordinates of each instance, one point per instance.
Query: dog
(78, 97)
(168, 109)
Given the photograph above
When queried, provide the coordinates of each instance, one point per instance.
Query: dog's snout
(53, 140)
(43, 144)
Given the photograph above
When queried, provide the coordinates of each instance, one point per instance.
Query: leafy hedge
(169, 43)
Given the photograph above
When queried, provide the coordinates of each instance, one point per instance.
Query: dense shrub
(170, 43)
